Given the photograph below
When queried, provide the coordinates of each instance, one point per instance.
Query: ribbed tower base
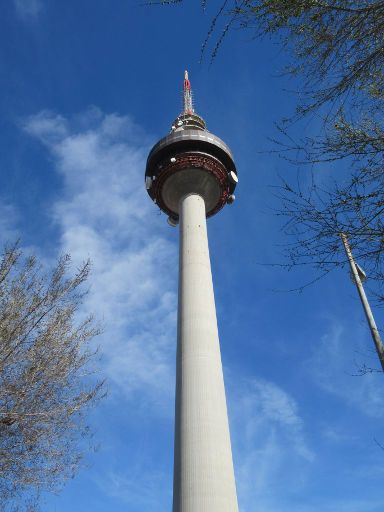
(203, 470)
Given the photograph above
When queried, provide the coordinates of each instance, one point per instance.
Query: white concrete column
(203, 469)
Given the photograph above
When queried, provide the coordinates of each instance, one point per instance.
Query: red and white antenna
(188, 105)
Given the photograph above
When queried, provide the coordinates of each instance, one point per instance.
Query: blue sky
(86, 88)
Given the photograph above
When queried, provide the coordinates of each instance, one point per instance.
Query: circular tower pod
(190, 160)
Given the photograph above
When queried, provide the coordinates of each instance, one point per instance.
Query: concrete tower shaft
(203, 470)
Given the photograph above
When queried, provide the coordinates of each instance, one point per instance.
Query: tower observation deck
(189, 159)
(191, 175)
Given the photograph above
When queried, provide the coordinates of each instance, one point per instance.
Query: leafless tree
(44, 389)
(316, 214)
(336, 45)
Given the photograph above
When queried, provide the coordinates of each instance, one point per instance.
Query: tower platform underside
(190, 161)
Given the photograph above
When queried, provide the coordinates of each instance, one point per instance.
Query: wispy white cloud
(105, 214)
(269, 440)
(336, 435)
(327, 504)
(333, 364)
(276, 466)
(28, 9)
(142, 489)
(9, 232)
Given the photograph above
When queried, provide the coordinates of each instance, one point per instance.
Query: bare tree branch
(44, 390)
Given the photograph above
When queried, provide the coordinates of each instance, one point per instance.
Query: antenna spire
(188, 119)
(188, 106)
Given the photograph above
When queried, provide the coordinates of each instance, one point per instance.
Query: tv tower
(191, 175)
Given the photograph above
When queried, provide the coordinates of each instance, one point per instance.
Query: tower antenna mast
(188, 104)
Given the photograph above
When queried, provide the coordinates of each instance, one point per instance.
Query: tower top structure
(190, 160)
(188, 117)
(188, 103)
